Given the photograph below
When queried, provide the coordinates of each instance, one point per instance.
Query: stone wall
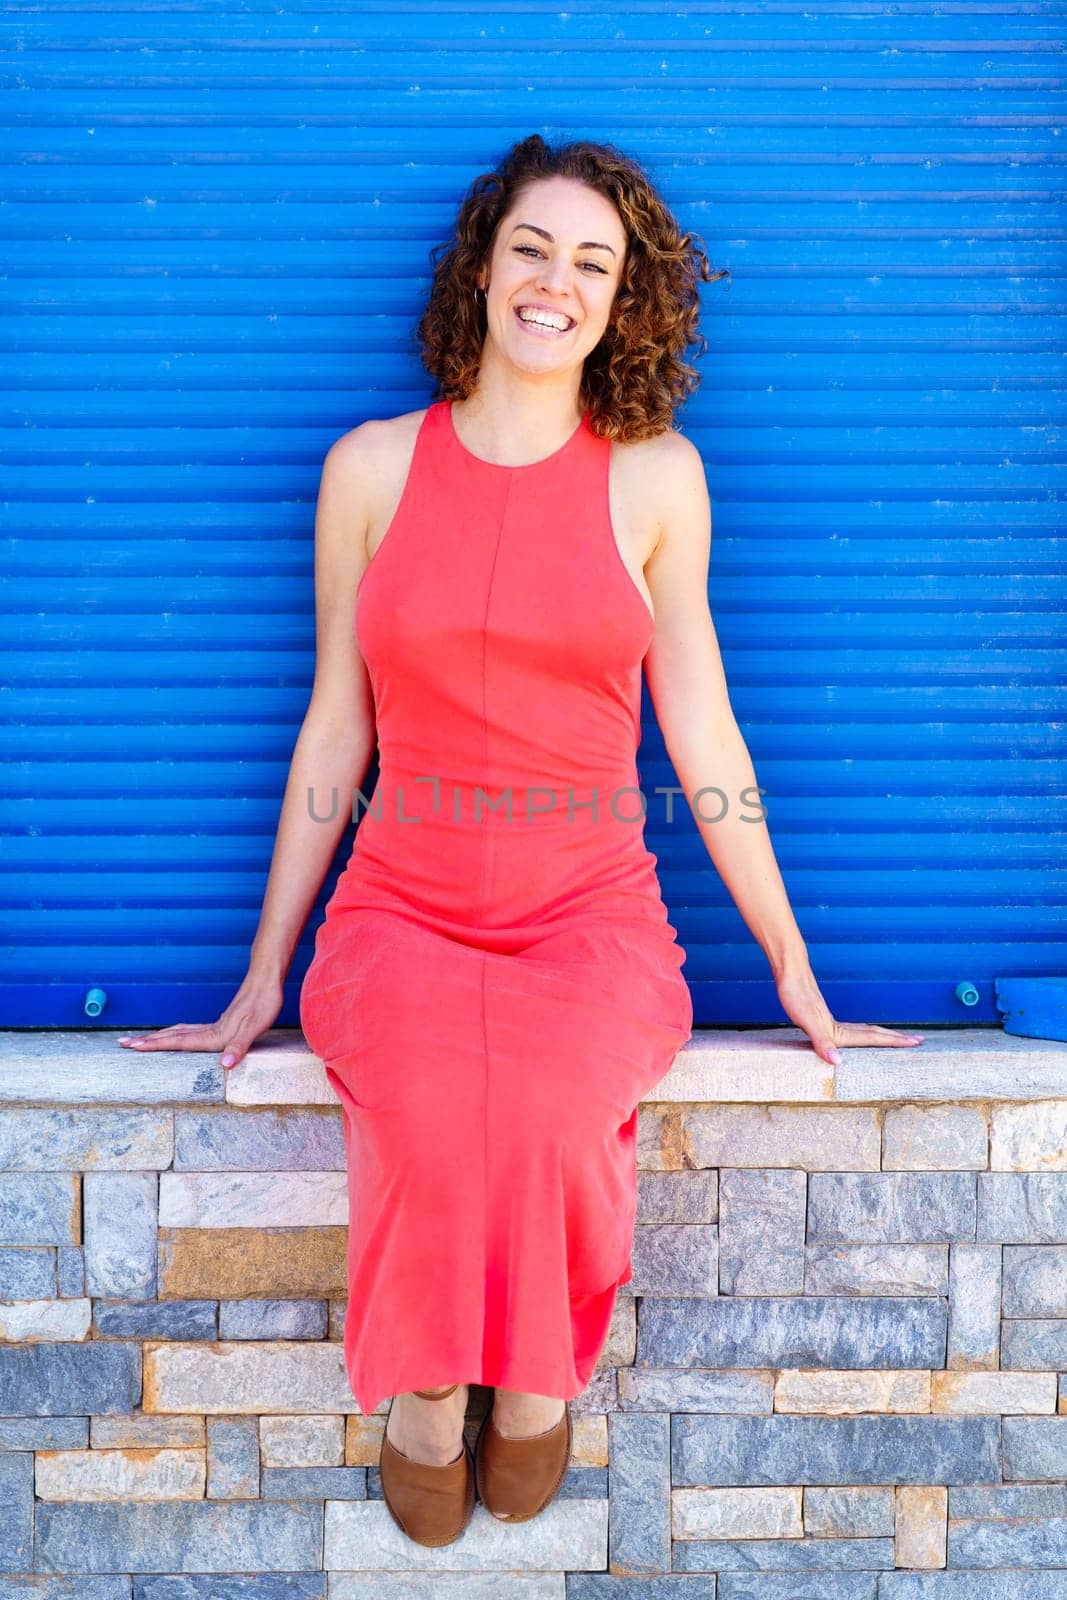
(838, 1373)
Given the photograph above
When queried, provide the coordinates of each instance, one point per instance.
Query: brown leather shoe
(432, 1505)
(517, 1478)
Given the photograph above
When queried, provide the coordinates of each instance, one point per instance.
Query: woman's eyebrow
(587, 244)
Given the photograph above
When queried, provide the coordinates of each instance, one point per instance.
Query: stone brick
(1015, 1585)
(921, 1526)
(51, 1140)
(695, 1390)
(1040, 1542)
(676, 1259)
(70, 1067)
(155, 1319)
(794, 1331)
(719, 1450)
(876, 1269)
(235, 1263)
(314, 1483)
(360, 1536)
(186, 1536)
(232, 1458)
(761, 1231)
(818, 1586)
(252, 1199)
(278, 1076)
(39, 1208)
(259, 1141)
(995, 1393)
(272, 1319)
(246, 1378)
(264, 1586)
(856, 1513)
(494, 1586)
(31, 1321)
(892, 1207)
(145, 1474)
(1034, 1345)
(938, 1138)
(790, 1557)
(1035, 1280)
(120, 1234)
(1035, 1448)
(16, 1511)
(974, 1307)
(336, 1328)
(302, 1441)
(677, 1196)
(1023, 1207)
(70, 1270)
(841, 1393)
(44, 1433)
(659, 1138)
(27, 1272)
(813, 1138)
(140, 1432)
(639, 1484)
(101, 1587)
(1029, 1137)
(69, 1379)
(989, 1503)
(736, 1513)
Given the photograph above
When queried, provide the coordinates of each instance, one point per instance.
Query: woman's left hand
(803, 1003)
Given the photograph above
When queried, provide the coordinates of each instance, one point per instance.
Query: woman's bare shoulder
(375, 444)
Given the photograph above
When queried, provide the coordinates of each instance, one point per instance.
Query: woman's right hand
(253, 1009)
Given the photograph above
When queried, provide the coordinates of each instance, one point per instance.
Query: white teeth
(545, 319)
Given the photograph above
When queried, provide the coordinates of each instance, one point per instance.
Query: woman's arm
(689, 692)
(330, 759)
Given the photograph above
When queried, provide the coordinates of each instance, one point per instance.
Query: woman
(496, 985)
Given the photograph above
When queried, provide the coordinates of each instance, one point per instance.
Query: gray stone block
(260, 1586)
(761, 1230)
(27, 1272)
(1013, 1585)
(1023, 1207)
(938, 1138)
(232, 1458)
(599, 1586)
(187, 1536)
(666, 1389)
(68, 1067)
(783, 1555)
(678, 1196)
(155, 1319)
(1035, 1280)
(80, 1588)
(51, 1140)
(70, 1271)
(639, 1486)
(670, 1259)
(121, 1223)
(1041, 1542)
(62, 1380)
(1034, 1346)
(891, 1207)
(876, 1269)
(44, 1433)
(1014, 1500)
(272, 1319)
(16, 1511)
(974, 1306)
(789, 1586)
(812, 1331)
(1035, 1448)
(714, 1450)
(864, 1513)
(314, 1483)
(38, 1208)
(305, 1138)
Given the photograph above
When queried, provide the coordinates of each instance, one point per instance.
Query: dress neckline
(525, 466)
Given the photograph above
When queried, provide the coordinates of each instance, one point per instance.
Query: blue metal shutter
(216, 229)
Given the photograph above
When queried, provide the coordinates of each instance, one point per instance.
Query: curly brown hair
(637, 376)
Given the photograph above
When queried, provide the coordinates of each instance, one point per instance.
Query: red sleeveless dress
(496, 983)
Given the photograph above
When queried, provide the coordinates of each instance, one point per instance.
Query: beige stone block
(659, 1138)
(817, 1391)
(252, 1199)
(239, 1263)
(246, 1377)
(302, 1441)
(147, 1474)
(281, 1073)
(994, 1393)
(935, 1138)
(736, 1513)
(1029, 1137)
(921, 1540)
(138, 1432)
(34, 1321)
(813, 1138)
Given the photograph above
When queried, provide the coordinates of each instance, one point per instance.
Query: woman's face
(559, 253)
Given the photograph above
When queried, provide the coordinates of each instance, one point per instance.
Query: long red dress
(496, 984)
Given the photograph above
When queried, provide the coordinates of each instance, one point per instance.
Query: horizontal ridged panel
(216, 238)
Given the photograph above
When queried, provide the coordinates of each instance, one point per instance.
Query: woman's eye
(522, 248)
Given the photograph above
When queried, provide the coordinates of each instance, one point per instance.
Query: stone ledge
(762, 1065)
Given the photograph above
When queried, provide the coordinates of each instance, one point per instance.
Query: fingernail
(228, 1060)
(835, 1057)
